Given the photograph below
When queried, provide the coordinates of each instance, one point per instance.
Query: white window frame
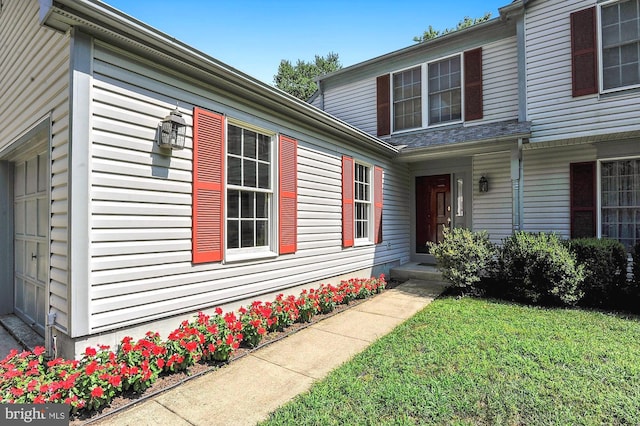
(424, 75)
(255, 252)
(600, 52)
(446, 123)
(599, 188)
(369, 203)
(393, 105)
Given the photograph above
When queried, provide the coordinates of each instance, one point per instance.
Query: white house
(107, 234)
(527, 121)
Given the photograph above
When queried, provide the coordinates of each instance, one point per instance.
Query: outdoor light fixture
(483, 184)
(172, 131)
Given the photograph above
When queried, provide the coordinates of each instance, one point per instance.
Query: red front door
(433, 209)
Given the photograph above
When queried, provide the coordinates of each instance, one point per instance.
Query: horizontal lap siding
(34, 81)
(500, 80)
(492, 210)
(141, 209)
(554, 113)
(354, 103)
(546, 187)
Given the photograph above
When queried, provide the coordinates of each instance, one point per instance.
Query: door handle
(33, 256)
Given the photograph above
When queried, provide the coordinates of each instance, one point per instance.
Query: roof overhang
(106, 22)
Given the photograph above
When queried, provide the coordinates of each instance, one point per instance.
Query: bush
(538, 268)
(605, 263)
(463, 256)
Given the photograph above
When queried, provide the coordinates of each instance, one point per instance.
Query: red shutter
(584, 56)
(473, 84)
(383, 108)
(377, 204)
(583, 200)
(288, 195)
(208, 177)
(347, 201)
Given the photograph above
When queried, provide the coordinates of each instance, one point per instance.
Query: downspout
(516, 187)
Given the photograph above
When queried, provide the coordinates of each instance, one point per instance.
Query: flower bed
(102, 374)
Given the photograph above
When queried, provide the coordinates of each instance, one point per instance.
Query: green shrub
(605, 263)
(463, 256)
(539, 268)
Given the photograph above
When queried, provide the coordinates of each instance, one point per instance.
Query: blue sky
(253, 35)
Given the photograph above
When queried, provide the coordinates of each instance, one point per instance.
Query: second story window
(407, 99)
(620, 29)
(445, 93)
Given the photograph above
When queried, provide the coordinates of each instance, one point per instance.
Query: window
(250, 210)
(620, 29)
(445, 101)
(362, 199)
(249, 188)
(620, 200)
(407, 99)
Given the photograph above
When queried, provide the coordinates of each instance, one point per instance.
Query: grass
(473, 361)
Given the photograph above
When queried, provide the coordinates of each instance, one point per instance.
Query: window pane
(233, 204)
(264, 148)
(234, 171)
(445, 101)
(233, 238)
(249, 144)
(262, 205)
(246, 202)
(247, 233)
(261, 233)
(250, 173)
(263, 176)
(234, 135)
(620, 201)
(620, 29)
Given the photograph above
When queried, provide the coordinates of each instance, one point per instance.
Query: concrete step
(418, 271)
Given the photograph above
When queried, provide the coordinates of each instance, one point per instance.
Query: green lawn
(473, 361)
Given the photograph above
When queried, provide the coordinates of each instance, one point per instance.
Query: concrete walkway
(247, 390)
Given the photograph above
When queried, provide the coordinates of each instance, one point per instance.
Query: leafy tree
(298, 79)
(431, 33)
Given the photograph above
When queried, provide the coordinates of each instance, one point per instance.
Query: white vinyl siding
(141, 205)
(34, 82)
(549, 96)
(354, 103)
(492, 210)
(546, 187)
(500, 80)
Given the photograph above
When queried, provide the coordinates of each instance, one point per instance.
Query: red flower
(160, 363)
(90, 351)
(17, 392)
(97, 392)
(219, 310)
(91, 368)
(39, 350)
(115, 381)
(262, 331)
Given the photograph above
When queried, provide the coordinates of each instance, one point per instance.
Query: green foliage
(463, 256)
(431, 33)
(299, 80)
(539, 268)
(605, 263)
(478, 362)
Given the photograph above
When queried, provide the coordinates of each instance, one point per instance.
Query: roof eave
(95, 15)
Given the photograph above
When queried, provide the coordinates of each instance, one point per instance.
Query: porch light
(483, 184)
(172, 131)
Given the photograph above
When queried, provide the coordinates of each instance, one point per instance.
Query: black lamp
(483, 184)
(172, 131)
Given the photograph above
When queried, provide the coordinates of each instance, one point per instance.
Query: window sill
(363, 242)
(249, 255)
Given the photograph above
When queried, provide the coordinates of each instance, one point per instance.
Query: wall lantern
(172, 131)
(483, 184)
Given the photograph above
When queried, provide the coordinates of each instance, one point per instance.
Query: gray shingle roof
(450, 135)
